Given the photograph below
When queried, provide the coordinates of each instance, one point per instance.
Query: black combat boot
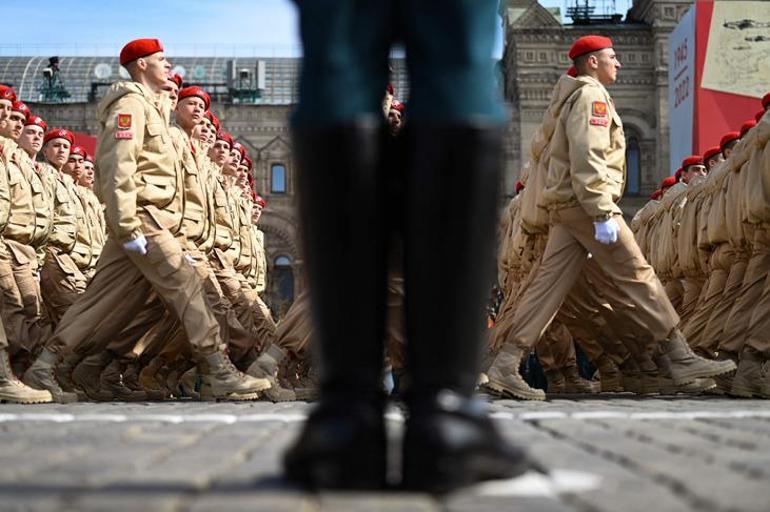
(449, 240)
(342, 210)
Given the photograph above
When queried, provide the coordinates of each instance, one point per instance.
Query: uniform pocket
(65, 263)
(154, 137)
(164, 253)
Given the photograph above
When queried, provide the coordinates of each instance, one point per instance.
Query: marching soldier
(745, 332)
(712, 233)
(62, 280)
(25, 234)
(11, 388)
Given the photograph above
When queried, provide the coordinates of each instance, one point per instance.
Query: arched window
(278, 179)
(633, 167)
(283, 282)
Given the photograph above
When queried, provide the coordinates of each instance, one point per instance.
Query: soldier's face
(31, 139)
(74, 167)
(694, 170)
(256, 213)
(607, 66)
(394, 121)
(201, 132)
(173, 93)
(220, 152)
(87, 178)
(212, 134)
(243, 176)
(14, 124)
(156, 69)
(189, 112)
(56, 152)
(235, 158)
(5, 111)
(231, 165)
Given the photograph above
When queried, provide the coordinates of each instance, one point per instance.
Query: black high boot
(340, 182)
(452, 183)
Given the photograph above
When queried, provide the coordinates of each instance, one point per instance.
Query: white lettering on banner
(681, 86)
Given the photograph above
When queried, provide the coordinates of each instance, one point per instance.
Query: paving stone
(710, 464)
(369, 502)
(264, 501)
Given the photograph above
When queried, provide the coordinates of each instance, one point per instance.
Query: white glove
(138, 244)
(606, 232)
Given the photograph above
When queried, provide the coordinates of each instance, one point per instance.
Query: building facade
(535, 55)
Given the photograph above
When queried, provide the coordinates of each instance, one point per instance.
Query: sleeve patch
(124, 121)
(599, 121)
(599, 109)
(120, 135)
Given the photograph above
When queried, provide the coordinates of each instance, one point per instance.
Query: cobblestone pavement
(607, 453)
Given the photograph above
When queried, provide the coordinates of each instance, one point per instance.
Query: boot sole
(10, 399)
(718, 368)
(230, 397)
(706, 386)
(72, 396)
(504, 392)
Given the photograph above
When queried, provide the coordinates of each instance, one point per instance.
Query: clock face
(103, 71)
(179, 70)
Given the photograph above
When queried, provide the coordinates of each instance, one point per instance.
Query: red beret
(766, 100)
(588, 44)
(249, 164)
(89, 157)
(260, 201)
(397, 105)
(225, 137)
(7, 93)
(18, 106)
(572, 71)
(139, 48)
(728, 138)
(668, 182)
(759, 115)
(711, 153)
(59, 133)
(519, 186)
(656, 195)
(692, 160)
(678, 174)
(78, 150)
(197, 92)
(177, 79)
(37, 121)
(748, 125)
